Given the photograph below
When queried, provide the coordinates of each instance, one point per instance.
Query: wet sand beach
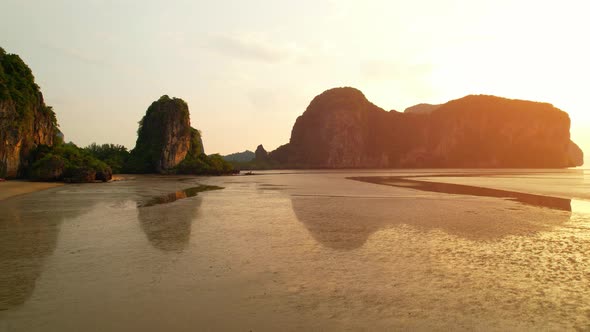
(299, 251)
(16, 187)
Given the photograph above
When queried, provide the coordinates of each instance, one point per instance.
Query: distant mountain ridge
(244, 156)
(341, 129)
(421, 108)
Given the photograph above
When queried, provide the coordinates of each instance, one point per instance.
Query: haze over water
(299, 251)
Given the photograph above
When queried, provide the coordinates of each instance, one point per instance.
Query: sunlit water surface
(298, 251)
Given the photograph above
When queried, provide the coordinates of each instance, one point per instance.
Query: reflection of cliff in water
(338, 223)
(168, 226)
(345, 223)
(173, 197)
(29, 228)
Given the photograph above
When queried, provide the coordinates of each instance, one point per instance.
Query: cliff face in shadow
(25, 120)
(342, 129)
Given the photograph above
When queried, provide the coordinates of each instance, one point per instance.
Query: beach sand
(300, 250)
(17, 187)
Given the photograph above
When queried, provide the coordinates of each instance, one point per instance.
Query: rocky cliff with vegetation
(31, 145)
(342, 129)
(166, 143)
(165, 137)
(25, 121)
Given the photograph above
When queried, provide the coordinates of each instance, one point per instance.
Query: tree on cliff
(17, 85)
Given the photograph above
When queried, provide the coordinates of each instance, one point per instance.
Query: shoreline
(12, 188)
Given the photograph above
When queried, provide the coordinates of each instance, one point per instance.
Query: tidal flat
(301, 250)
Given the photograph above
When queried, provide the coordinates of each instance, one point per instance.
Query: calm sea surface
(315, 250)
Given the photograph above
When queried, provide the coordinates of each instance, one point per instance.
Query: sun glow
(258, 64)
(525, 50)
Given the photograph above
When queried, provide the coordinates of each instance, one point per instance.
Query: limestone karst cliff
(575, 154)
(31, 146)
(342, 129)
(166, 143)
(25, 120)
(165, 137)
(261, 155)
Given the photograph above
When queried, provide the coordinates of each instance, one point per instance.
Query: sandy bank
(17, 187)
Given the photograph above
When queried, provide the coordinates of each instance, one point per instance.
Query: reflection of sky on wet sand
(461, 189)
(306, 251)
(580, 207)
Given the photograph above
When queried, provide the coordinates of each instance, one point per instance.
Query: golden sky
(248, 68)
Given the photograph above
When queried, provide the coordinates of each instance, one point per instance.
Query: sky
(247, 69)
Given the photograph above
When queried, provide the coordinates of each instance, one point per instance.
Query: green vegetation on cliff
(17, 85)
